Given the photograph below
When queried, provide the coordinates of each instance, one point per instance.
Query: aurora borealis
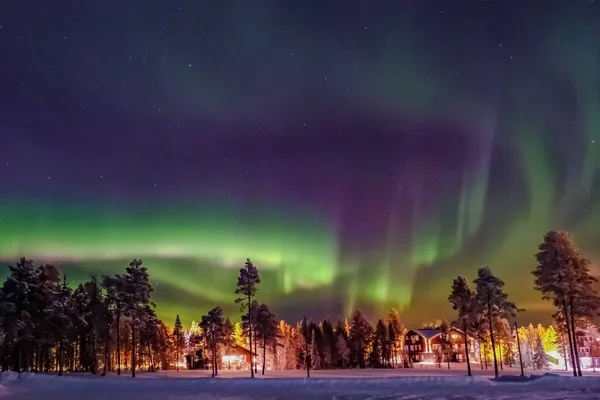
(360, 154)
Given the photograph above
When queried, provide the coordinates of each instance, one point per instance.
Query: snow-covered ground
(415, 383)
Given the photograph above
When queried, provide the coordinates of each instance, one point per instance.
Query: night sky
(361, 153)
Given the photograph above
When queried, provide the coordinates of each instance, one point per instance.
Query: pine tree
(462, 299)
(445, 341)
(214, 332)
(380, 345)
(493, 303)
(266, 330)
(246, 290)
(115, 289)
(177, 336)
(562, 275)
(540, 358)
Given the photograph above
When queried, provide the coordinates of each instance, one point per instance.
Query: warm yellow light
(231, 358)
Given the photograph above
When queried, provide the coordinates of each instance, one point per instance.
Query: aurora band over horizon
(356, 167)
(193, 254)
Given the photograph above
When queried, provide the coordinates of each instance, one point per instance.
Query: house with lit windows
(588, 346)
(237, 357)
(421, 345)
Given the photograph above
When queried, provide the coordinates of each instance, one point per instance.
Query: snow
(291, 385)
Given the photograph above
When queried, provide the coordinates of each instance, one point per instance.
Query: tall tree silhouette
(266, 330)
(462, 299)
(177, 336)
(246, 290)
(493, 303)
(214, 330)
(562, 275)
(138, 290)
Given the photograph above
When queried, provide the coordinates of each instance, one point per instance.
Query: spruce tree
(550, 339)
(396, 336)
(94, 314)
(246, 290)
(137, 299)
(315, 355)
(342, 349)
(540, 358)
(177, 336)
(17, 302)
(391, 338)
(61, 321)
(360, 337)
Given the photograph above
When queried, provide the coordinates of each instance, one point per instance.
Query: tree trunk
(177, 353)
(264, 360)
(564, 346)
(133, 350)
(256, 351)
(214, 361)
(60, 358)
(250, 336)
(150, 362)
(106, 348)
(501, 356)
(118, 343)
(466, 347)
(483, 361)
(306, 358)
(571, 341)
(578, 363)
(489, 306)
(519, 348)
(94, 352)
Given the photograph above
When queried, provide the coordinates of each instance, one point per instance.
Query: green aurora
(366, 169)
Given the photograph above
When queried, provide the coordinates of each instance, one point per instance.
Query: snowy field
(418, 383)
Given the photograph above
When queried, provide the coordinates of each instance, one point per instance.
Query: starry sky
(361, 153)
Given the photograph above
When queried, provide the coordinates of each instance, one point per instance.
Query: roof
(242, 348)
(430, 333)
(427, 333)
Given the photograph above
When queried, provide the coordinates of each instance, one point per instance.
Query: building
(421, 345)
(236, 357)
(588, 346)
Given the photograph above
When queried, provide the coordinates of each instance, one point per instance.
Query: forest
(109, 324)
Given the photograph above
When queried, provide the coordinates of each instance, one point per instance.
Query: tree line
(101, 325)
(110, 324)
(561, 275)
